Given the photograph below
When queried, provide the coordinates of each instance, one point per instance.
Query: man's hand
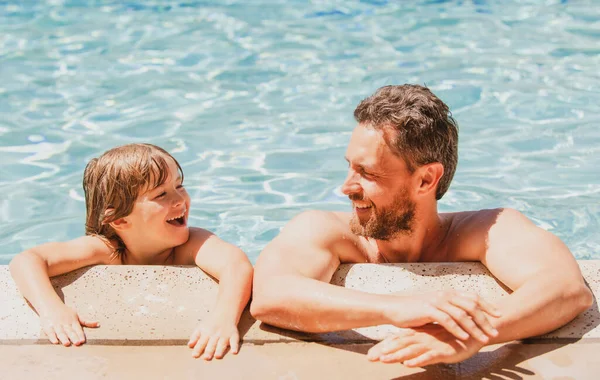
(464, 315)
(212, 340)
(63, 325)
(423, 346)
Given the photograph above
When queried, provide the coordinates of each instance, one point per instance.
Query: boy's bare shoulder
(185, 253)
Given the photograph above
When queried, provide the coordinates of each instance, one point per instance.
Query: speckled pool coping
(161, 305)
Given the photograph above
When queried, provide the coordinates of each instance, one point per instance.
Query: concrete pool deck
(148, 312)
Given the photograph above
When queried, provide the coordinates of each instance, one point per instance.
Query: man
(402, 157)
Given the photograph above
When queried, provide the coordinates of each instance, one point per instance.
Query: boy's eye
(180, 186)
(161, 195)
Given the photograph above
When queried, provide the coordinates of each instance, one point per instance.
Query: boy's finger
(51, 335)
(209, 351)
(72, 335)
(221, 348)
(62, 337)
(76, 327)
(86, 323)
(199, 348)
(234, 342)
(194, 338)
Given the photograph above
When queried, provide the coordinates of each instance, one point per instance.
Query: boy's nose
(178, 200)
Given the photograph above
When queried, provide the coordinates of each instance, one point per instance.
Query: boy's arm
(231, 267)
(32, 269)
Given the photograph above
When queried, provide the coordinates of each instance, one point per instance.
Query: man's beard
(385, 223)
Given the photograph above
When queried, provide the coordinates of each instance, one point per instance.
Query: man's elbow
(585, 298)
(265, 303)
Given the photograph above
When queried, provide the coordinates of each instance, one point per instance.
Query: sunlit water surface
(255, 99)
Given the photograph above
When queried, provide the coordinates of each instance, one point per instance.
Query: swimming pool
(255, 99)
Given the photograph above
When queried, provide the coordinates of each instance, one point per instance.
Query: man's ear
(430, 176)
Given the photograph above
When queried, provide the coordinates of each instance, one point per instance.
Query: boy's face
(159, 216)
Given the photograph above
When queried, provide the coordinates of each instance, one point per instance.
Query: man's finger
(406, 353)
(465, 321)
(427, 358)
(486, 306)
(449, 324)
(376, 351)
(393, 344)
(477, 315)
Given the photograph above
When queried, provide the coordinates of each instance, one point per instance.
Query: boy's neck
(144, 254)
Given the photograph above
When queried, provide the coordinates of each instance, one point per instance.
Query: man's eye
(365, 174)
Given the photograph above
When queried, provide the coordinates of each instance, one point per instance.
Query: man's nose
(351, 185)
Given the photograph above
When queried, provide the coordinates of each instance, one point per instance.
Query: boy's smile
(178, 221)
(158, 221)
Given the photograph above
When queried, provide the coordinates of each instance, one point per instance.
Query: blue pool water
(255, 99)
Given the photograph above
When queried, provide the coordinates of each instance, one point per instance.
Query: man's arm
(548, 288)
(291, 282)
(292, 290)
(548, 292)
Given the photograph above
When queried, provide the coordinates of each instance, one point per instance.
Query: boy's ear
(120, 224)
(430, 176)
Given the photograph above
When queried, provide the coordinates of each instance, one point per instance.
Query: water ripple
(255, 99)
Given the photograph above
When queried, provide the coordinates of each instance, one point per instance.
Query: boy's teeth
(177, 217)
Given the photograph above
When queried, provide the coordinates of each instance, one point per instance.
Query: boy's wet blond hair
(113, 181)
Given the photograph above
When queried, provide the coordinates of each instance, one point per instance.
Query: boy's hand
(63, 325)
(212, 339)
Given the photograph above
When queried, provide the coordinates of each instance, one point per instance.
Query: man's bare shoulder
(326, 230)
(469, 231)
(319, 226)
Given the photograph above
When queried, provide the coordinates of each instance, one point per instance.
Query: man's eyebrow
(368, 168)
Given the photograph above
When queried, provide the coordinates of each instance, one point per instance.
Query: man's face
(378, 184)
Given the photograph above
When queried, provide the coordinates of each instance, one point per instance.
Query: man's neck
(425, 239)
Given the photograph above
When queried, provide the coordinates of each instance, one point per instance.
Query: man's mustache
(357, 197)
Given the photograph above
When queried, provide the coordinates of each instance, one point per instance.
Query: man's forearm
(305, 304)
(541, 305)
